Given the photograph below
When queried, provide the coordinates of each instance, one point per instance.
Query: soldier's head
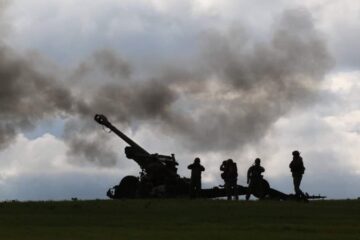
(230, 160)
(296, 153)
(197, 160)
(257, 161)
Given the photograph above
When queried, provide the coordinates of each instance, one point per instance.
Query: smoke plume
(253, 84)
(233, 93)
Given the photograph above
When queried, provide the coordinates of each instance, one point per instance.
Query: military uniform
(230, 175)
(297, 169)
(254, 178)
(195, 180)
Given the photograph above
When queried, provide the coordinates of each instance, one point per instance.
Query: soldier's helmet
(257, 161)
(197, 160)
(296, 153)
(230, 160)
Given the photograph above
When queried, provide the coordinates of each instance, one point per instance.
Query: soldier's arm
(222, 167)
(302, 164)
(190, 166)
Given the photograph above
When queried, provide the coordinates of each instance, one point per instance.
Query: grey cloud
(4, 27)
(107, 62)
(265, 80)
(27, 95)
(256, 83)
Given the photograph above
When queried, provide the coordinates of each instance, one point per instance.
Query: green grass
(180, 219)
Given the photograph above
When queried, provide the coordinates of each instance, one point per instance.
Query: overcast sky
(217, 80)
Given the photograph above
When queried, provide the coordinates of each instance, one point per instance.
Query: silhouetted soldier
(195, 181)
(230, 175)
(254, 177)
(297, 168)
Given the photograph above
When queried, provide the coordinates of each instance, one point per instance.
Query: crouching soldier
(230, 174)
(254, 177)
(195, 181)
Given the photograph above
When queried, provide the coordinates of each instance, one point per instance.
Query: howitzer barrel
(314, 196)
(101, 119)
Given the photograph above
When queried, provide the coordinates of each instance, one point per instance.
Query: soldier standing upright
(195, 181)
(297, 168)
(230, 175)
(254, 177)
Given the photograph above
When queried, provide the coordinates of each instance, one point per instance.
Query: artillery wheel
(261, 189)
(127, 187)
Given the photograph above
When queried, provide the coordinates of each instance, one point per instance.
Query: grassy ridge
(180, 219)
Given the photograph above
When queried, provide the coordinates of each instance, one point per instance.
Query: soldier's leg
(295, 184)
(192, 189)
(236, 193)
(297, 181)
(228, 190)
(249, 191)
(198, 188)
(300, 192)
(235, 189)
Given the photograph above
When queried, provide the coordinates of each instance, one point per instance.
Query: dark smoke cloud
(234, 91)
(103, 63)
(119, 96)
(92, 150)
(27, 95)
(136, 101)
(257, 82)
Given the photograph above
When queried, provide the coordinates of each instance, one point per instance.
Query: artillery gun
(159, 177)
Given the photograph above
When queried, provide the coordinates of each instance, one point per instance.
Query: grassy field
(180, 219)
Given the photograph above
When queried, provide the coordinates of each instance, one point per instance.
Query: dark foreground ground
(180, 219)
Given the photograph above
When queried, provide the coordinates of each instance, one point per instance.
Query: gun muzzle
(101, 119)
